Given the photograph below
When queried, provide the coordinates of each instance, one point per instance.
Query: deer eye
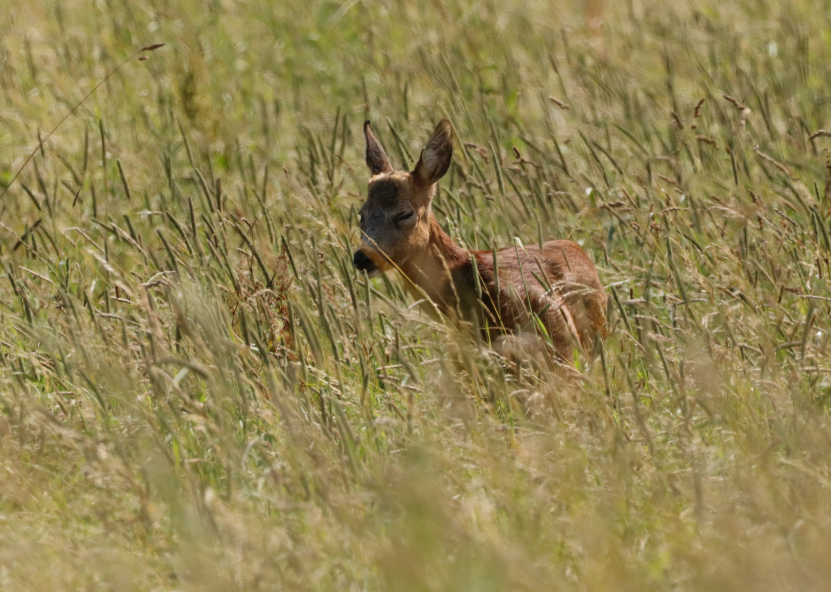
(404, 217)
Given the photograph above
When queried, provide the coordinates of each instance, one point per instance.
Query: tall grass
(199, 393)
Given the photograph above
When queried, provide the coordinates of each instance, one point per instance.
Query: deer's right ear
(435, 158)
(376, 158)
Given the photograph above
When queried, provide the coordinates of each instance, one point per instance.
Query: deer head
(395, 218)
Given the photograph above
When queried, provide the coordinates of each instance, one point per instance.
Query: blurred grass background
(199, 393)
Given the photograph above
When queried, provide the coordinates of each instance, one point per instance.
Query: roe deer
(553, 291)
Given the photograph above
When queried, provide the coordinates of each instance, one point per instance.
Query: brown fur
(559, 282)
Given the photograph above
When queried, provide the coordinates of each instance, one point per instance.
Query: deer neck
(432, 268)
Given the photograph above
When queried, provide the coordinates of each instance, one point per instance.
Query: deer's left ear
(435, 158)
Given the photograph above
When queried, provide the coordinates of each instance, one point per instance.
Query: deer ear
(435, 158)
(376, 158)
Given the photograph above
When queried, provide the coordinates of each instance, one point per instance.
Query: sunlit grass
(199, 393)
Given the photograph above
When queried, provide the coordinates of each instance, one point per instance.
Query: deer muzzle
(362, 262)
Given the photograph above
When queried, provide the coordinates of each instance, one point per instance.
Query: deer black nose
(362, 262)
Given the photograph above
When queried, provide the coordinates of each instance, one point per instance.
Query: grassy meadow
(199, 393)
